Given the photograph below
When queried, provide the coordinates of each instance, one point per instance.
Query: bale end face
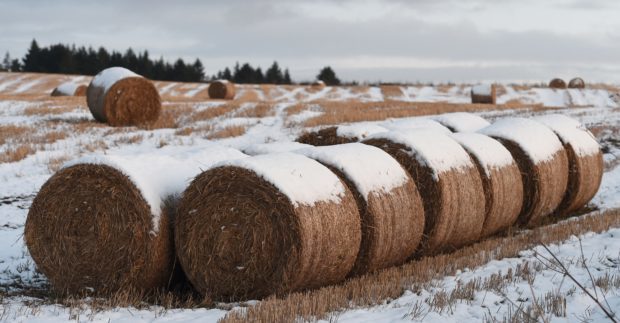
(223, 90)
(238, 237)
(90, 228)
(484, 95)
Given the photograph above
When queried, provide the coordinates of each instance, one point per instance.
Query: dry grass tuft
(230, 131)
(11, 132)
(16, 154)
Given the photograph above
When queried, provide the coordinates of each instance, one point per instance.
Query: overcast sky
(388, 40)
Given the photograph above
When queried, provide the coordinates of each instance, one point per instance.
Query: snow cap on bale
(274, 147)
(266, 225)
(389, 203)
(462, 121)
(414, 123)
(584, 157)
(69, 89)
(448, 181)
(120, 97)
(103, 222)
(542, 161)
(222, 89)
(340, 134)
(483, 93)
(503, 187)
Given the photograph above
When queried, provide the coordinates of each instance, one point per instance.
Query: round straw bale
(448, 182)
(340, 135)
(90, 227)
(222, 89)
(103, 223)
(557, 83)
(266, 225)
(483, 93)
(542, 161)
(585, 161)
(462, 121)
(576, 83)
(69, 89)
(318, 84)
(391, 210)
(501, 180)
(120, 97)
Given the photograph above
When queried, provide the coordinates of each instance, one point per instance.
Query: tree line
(65, 59)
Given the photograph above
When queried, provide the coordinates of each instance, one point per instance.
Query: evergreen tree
(227, 75)
(32, 58)
(328, 76)
(6, 62)
(274, 74)
(16, 66)
(198, 71)
(287, 77)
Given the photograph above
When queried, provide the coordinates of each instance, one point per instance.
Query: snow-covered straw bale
(266, 224)
(120, 97)
(483, 93)
(585, 161)
(577, 83)
(391, 210)
(222, 89)
(103, 222)
(448, 181)
(501, 180)
(69, 89)
(542, 161)
(462, 121)
(342, 134)
(557, 83)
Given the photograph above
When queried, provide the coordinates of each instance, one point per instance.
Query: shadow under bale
(266, 225)
(448, 182)
(542, 161)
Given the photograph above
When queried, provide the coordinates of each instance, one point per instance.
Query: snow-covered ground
(22, 179)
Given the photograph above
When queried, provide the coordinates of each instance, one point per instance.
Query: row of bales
(296, 216)
(487, 93)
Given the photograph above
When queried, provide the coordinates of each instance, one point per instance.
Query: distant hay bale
(318, 84)
(266, 225)
(391, 210)
(542, 161)
(340, 134)
(585, 161)
(557, 84)
(448, 181)
(69, 89)
(119, 97)
(274, 147)
(484, 93)
(98, 226)
(222, 90)
(462, 121)
(576, 83)
(501, 180)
